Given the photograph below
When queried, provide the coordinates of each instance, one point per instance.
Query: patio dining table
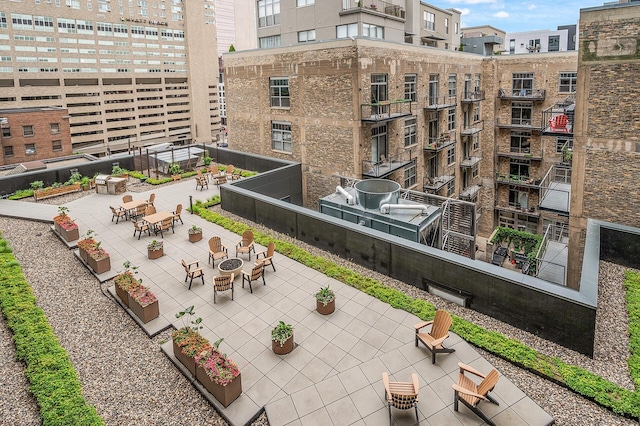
(131, 206)
(156, 218)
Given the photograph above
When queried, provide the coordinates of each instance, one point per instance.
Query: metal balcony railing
(396, 8)
(470, 129)
(473, 96)
(435, 103)
(522, 94)
(435, 144)
(374, 112)
(558, 120)
(439, 179)
(520, 123)
(472, 159)
(384, 167)
(517, 180)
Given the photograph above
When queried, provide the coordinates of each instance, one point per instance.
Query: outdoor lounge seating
(177, 213)
(118, 213)
(219, 179)
(229, 171)
(217, 250)
(438, 333)
(256, 273)
(559, 123)
(267, 256)
(401, 395)
(222, 283)
(470, 394)
(193, 270)
(139, 226)
(201, 182)
(499, 256)
(246, 244)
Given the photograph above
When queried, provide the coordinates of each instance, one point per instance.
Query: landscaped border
(54, 381)
(607, 394)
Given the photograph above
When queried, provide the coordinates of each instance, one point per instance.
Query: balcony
(470, 193)
(437, 103)
(379, 112)
(522, 94)
(375, 7)
(558, 120)
(470, 129)
(471, 97)
(441, 142)
(434, 184)
(472, 160)
(519, 124)
(556, 189)
(383, 168)
(516, 180)
(521, 153)
(517, 208)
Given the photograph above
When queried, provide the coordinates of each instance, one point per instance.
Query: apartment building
(290, 22)
(563, 39)
(32, 134)
(235, 24)
(483, 40)
(129, 73)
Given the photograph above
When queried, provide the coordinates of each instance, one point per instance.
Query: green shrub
(21, 193)
(36, 184)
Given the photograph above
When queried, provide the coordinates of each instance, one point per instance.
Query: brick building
(31, 134)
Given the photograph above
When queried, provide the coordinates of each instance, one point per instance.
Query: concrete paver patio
(334, 376)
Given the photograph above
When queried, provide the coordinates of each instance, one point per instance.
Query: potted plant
(282, 338)
(98, 259)
(143, 303)
(175, 171)
(155, 249)
(219, 374)
(325, 301)
(187, 341)
(195, 234)
(85, 244)
(125, 281)
(65, 226)
(206, 160)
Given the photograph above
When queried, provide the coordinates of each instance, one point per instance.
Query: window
(56, 145)
(476, 83)
(379, 93)
(451, 187)
(476, 141)
(451, 155)
(433, 89)
(410, 83)
(446, 25)
(3, 23)
(521, 142)
(554, 43)
(270, 41)
(451, 119)
(281, 136)
(378, 144)
(8, 151)
(66, 25)
(21, 22)
(522, 83)
(456, 27)
(521, 113)
(452, 84)
(304, 36)
(534, 45)
(410, 129)
(512, 46)
(518, 199)
(279, 92)
(373, 31)
(27, 131)
(348, 30)
(410, 174)
(476, 113)
(305, 2)
(561, 143)
(474, 171)
(30, 149)
(429, 21)
(568, 82)
(268, 12)
(54, 128)
(43, 23)
(6, 132)
(519, 168)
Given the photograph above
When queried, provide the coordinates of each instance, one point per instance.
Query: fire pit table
(231, 266)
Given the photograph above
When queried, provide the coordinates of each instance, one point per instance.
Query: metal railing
(388, 8)
(473, 96)
(440, 142)
(526, 94)
(441, 102)
(385, 110)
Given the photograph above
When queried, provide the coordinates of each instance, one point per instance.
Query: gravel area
(130, 381)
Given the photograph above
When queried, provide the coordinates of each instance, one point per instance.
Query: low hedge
(53, 380)
(21, 193)
(607, 394)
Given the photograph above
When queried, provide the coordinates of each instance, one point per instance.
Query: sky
(516, 16)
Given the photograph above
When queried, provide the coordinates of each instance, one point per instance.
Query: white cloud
(532, 6)
(470, 1)
(501, 14)
(464, 11)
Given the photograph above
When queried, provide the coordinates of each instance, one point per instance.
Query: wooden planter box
(145, 313)
(70, 235)
(41, 194)
(123, 295)
(284, 349)
(225, 394)
(326, 310)
(188, 362)
(99, 266)
(195, 237)
(155, 254)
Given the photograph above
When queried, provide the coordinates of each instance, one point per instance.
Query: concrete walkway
(333, 376)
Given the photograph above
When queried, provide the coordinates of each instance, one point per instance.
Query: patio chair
(213, 170)
(267, 256)
(222, 283)
(165, 225)
(256, 273)
(559, 123)
(177, 213)
(127, 198)
(220, 179)
(138, 211)
(193, 270)
(245, 245)
(236, 175)
(201, 182)
(401, 395)
(229, 171)
(151, 199)
(470, 394)
(118, 213)
(140, 227)
(149, 210)
(217, 250)
(438, 333)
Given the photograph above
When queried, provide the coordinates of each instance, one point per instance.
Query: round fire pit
(230, 266)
